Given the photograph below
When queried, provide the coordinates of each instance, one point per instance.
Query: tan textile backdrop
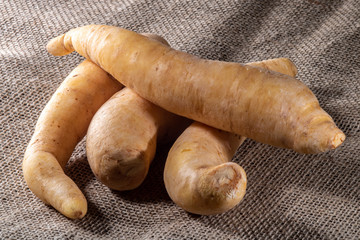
(289, 196)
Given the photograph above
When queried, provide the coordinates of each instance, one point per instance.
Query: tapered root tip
(291, 67)
(56, 46)
(47, 180)
(338, 140)
(74, 208)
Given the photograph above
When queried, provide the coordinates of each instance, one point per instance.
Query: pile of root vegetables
(134, 90)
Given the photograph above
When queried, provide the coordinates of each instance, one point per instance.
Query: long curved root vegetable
(122, 136)
(61, 125)
(198, 174)
(263, 105)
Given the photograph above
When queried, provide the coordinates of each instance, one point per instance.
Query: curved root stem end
(56, 46)
(223, 183)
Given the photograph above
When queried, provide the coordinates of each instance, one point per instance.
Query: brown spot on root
(77, 214)
(75, 75)
(238, 136)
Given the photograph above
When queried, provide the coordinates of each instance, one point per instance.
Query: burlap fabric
(289, 196)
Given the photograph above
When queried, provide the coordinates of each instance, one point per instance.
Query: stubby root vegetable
(61, 125)
(199, 175)
(122, 137)
(260, 104)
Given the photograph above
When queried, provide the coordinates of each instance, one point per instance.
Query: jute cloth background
(289, 196)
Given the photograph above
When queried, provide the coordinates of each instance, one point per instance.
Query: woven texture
(289, 196)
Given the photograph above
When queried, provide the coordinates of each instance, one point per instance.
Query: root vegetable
(263, 105)
(61, 125)
(199, 175)
(122, 136)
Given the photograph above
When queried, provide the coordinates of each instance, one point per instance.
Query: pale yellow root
(260, 104)
(61, 125)
(198, 174)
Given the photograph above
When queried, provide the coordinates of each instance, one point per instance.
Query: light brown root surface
(61, 125)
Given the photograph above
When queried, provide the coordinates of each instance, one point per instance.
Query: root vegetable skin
(61, 125)
(263, 105)
(199, 175)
